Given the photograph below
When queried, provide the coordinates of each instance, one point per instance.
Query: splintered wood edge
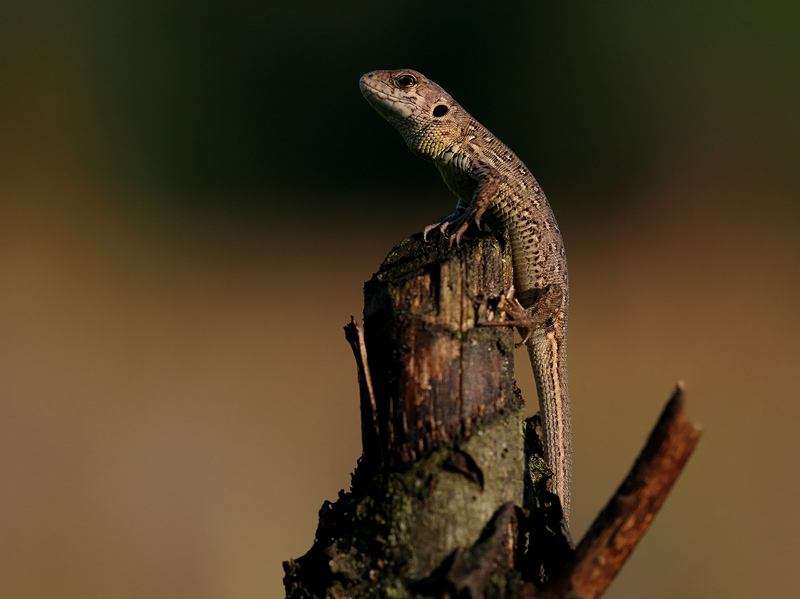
(354, 334)
(620, 526)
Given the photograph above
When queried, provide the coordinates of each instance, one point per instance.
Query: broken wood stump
(449, 496)
(434, 372)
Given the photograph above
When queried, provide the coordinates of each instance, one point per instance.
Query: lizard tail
(547, 351)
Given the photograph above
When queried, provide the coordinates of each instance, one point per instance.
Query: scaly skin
(493, 185)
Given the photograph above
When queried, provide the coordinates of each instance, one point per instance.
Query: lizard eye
(440, 110)
(406, 80)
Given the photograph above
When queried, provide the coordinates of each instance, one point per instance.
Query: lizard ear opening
(440, 110)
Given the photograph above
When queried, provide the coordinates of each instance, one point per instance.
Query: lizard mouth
(379, 101)
(386, 105)
(368, 91)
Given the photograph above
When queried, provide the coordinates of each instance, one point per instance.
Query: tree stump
(434, 373)
(449, 497)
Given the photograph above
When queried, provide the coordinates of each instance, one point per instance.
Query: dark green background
(239, 98)
(192, 194)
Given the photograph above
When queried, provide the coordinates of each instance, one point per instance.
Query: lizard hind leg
(538, 316)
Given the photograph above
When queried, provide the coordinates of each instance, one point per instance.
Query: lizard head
(425, 115)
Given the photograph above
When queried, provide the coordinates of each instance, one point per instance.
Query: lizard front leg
(444, 222)
(466, 214)
(485, 195)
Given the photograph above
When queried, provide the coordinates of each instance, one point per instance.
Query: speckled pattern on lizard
(494, 186)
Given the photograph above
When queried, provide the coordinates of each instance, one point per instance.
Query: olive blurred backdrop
(192, 194)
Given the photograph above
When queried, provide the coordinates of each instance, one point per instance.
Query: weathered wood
(434, 371)
(372, 453)
(449, 497)
(442, 431)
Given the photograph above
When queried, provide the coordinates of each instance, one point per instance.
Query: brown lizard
(493, 185)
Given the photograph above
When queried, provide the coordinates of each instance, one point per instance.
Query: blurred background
(193, 193)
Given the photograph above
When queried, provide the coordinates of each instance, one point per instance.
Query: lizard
(494, 186)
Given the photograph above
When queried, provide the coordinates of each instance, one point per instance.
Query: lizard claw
(538, 316)
(464, 220)
(443, 223)
(428, 229)
(456, 237)
(510, 306)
